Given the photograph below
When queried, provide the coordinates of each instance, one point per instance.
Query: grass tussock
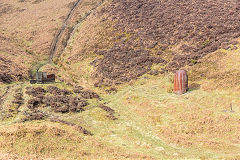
(45, 140)
(218, 70)
(199, 120)
(40, 140)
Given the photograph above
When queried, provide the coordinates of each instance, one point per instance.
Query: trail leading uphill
(64, 33)
(60, 32)
(3, 96)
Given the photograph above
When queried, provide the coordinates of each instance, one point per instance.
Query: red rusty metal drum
(181, 82)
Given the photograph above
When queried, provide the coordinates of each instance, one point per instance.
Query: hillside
(133, 36)
(114, 63)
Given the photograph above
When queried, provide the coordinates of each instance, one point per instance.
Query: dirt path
(55, 41)
(2, 98)
(60, 32)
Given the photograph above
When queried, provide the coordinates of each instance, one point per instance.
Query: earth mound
(60, 100)
(11, 71)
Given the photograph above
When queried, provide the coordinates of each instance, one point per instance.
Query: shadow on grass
(194, 86)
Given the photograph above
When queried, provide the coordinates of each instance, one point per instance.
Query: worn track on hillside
(60, 31)
(2, 98)
(56, 38)
(84, 18)
(54, 44)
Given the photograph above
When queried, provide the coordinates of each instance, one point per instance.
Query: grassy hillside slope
(27, 30)
(113, 97)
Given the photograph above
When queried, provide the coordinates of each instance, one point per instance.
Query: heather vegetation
(114, 63)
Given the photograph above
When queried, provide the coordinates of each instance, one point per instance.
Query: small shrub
(28, 51)
(193, 61)
(206, 42)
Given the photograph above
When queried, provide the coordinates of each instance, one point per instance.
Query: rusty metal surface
(180, 82)
(42, 77)
(50, 78)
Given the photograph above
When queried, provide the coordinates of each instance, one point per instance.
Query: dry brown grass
(80, 52)
(44, 140)
(202, 129)
(80, 13)
(218, 70)
(200, 121)
(34, 23)
(27, 30)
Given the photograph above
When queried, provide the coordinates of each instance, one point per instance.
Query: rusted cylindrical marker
(180, 82)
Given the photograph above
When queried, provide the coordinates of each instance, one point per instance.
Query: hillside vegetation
(115, 62)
